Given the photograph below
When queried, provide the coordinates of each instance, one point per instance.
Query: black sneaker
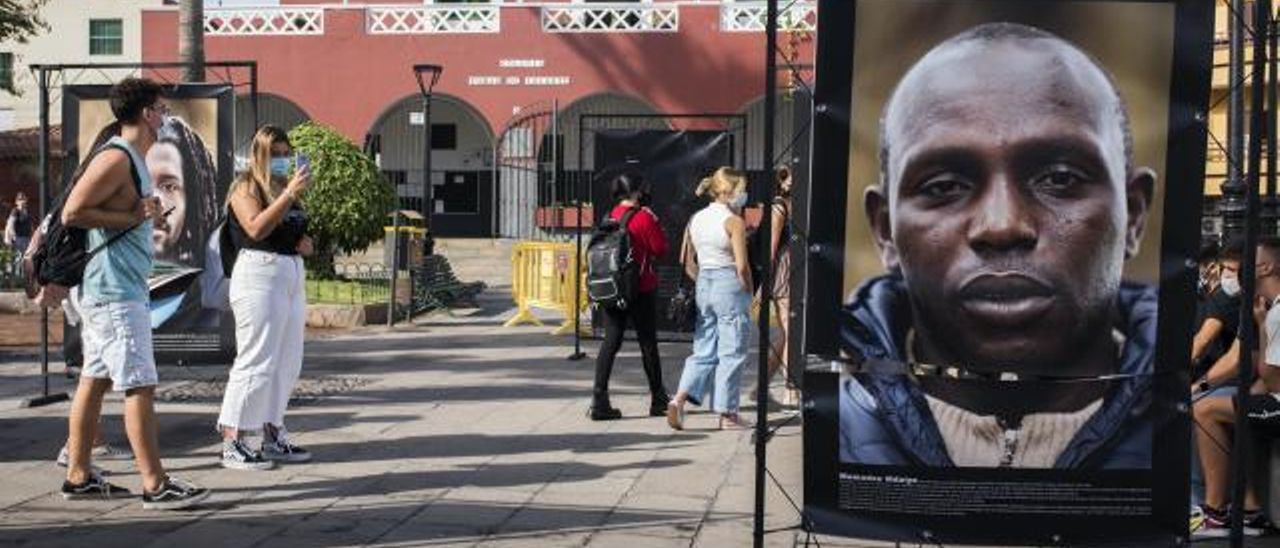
(237, 456)
(658, 406)
(1257, 524)
(604, 413)
(281, 450)
(93, 488)
(174, 494)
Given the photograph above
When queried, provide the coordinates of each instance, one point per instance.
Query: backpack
(613, 274)
(58, 253)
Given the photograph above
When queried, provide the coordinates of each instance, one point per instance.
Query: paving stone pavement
(459, 434)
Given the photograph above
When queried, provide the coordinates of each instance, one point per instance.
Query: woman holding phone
(269, 226)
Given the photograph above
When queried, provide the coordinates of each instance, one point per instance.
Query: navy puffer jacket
(885, 420)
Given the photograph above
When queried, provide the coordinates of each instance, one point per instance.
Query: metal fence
(10, 270)
(355, 283)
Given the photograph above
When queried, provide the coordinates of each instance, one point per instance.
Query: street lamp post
(427, 76)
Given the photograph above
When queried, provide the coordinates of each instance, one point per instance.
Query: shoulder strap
(137, 187)
(133, 167)
(626, 217)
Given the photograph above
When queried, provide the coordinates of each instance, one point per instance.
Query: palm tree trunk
(191, 39)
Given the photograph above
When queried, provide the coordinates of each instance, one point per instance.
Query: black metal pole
(395, 258)
(45, 397)
(1270, 206)
(766, 249)
(1233, 199)
(1258, 129)
(577, 354)
(428, 191)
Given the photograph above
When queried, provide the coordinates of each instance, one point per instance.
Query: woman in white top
(719, 264)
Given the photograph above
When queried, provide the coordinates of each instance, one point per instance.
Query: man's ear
(1139, 192)
(875, 202)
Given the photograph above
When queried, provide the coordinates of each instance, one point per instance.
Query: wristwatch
(1203, 386)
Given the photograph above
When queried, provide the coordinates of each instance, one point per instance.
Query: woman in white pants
(269, 227)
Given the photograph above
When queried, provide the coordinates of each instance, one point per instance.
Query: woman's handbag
(680, 310)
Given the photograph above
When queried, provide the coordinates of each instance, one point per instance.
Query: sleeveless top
(710, 238)
(119, 272)
(22, 223)
(283, 240)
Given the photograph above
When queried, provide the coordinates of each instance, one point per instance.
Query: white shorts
(117, 343)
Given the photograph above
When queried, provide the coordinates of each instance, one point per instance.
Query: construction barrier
(542, 276)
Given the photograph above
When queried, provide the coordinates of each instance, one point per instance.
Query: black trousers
(643, 316)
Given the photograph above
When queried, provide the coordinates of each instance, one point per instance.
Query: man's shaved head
(988, 35)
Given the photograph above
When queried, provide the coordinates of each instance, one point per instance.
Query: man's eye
(943, 187)
(1060, 177)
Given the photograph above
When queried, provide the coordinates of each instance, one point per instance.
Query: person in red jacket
(648, 244)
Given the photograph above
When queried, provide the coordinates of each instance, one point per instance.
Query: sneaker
(1208, 523)
(1257, 524)
(237, 456)
(734, 421)
(281, 450)
(64, 457)
(107, 451)
(174, 494)
(93, 488)
(658, 406)
(675, 416)
(604, 413)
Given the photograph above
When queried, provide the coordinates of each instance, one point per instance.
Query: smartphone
(301, 161)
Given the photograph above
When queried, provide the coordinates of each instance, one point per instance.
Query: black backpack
(613, 274)
(63, 252)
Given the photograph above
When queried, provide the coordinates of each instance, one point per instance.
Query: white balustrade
(432, 19)
(610, 18)
(750, 17)
(264, 21)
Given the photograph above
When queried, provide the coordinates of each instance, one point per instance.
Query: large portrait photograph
(1009, 169)
(190, 166)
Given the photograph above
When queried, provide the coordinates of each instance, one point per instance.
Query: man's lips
(1005, 299)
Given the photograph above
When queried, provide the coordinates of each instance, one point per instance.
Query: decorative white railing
(264, 21)
(751, 16)
(616, 18)
(432, 20)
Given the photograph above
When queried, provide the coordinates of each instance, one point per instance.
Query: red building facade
(349, 65)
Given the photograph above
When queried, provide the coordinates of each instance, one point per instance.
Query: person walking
(113, 193)
(18, 229)
(269, 227)
(780, 262)
(718, 237)
(648, 244)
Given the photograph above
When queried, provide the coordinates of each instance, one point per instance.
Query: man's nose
(1002, 220)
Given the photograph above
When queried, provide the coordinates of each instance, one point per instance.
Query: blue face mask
(280, 167)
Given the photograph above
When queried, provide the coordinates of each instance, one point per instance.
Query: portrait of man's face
(164, 161)
(1007, 202)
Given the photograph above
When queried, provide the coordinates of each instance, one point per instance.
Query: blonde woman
(267, 299)
(718, 261)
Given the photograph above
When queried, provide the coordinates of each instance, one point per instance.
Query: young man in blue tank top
(115, 302)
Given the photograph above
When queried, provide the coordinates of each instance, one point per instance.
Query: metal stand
(578, 354)
(42, 78)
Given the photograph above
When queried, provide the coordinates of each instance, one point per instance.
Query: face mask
(280, 167)
(739, 201)
(1230, 286)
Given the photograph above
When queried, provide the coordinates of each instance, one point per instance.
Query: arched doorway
(273, 109)
(461, 162)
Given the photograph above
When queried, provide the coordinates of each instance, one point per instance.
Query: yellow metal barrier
(542, 276)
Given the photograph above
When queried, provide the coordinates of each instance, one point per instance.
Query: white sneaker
(107, 451)
(237, 456)
(63, 458)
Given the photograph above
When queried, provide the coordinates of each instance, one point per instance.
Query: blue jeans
(720, 341)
